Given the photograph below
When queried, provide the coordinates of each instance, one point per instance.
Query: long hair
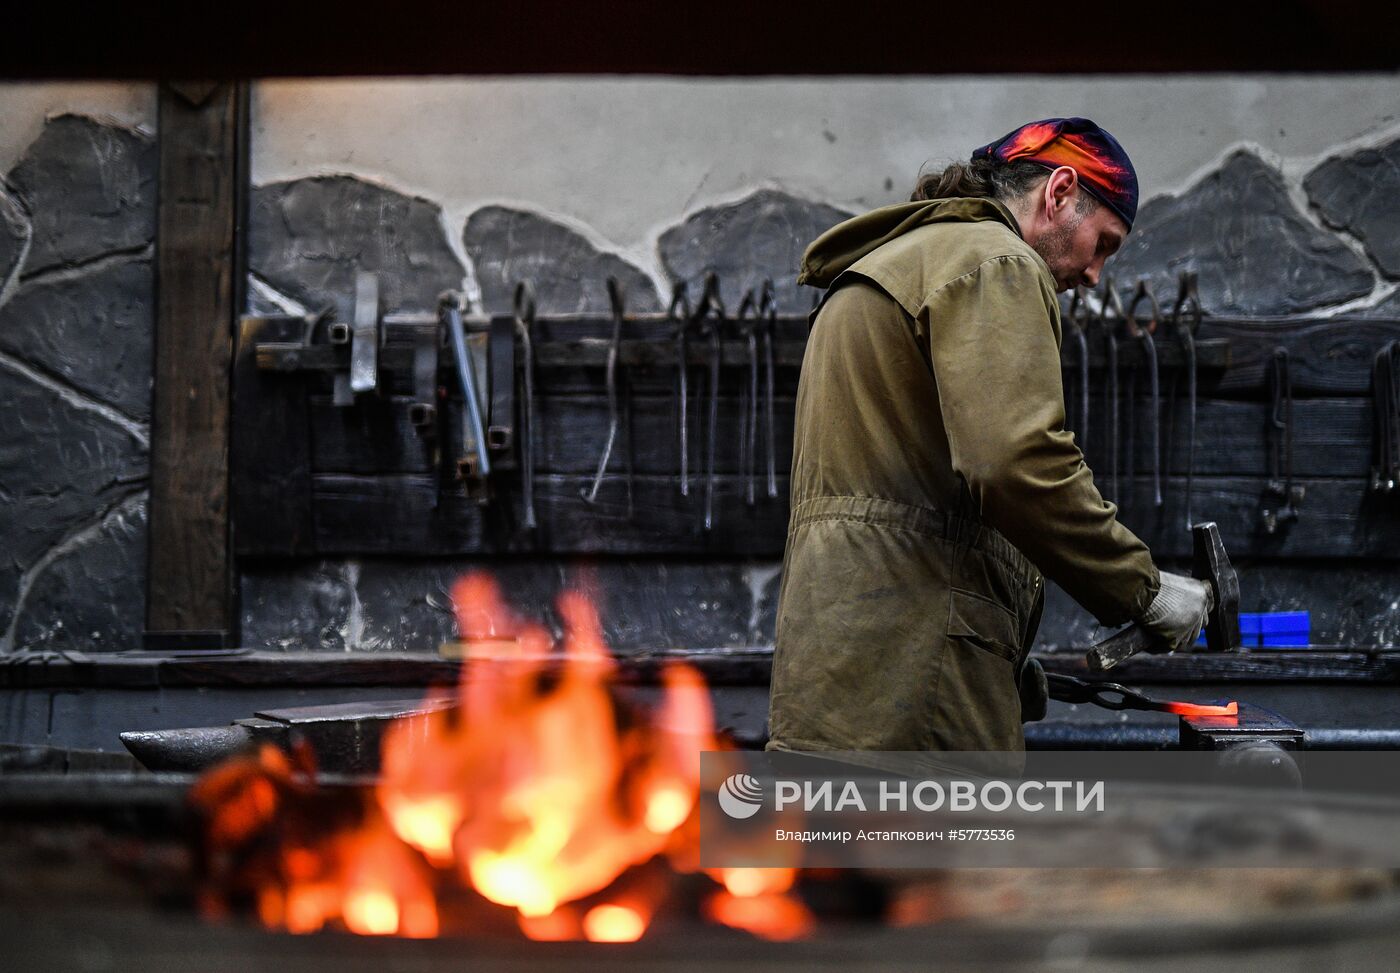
(1004, 181)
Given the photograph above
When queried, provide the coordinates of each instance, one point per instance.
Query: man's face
(1076, 248)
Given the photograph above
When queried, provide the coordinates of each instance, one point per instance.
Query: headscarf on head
(1105, 171)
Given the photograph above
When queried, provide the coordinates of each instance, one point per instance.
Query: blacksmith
(933, 481)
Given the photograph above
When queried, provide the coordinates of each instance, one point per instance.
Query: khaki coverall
(932, 482)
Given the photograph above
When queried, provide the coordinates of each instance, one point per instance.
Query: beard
(1054, 249)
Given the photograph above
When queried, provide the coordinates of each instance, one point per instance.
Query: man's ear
(1060, 191)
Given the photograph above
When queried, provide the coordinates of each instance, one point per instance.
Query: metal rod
(524, 323)
(768, 318)
(1083, 344)
(1111, 302)
(467, 377)
(1154, 381)
(710, 315)
(679, 312)
(748, 440)
(1143, 333)
(1188, 302)
(1078, 321)
(590, 493)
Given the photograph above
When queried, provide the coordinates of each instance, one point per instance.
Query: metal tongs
(1115, 696)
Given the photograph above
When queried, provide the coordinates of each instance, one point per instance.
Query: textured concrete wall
(1280, 191)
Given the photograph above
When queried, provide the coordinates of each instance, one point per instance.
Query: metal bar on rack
(524, 324)
(472, 467)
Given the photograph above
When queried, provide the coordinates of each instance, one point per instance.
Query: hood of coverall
(845, 243)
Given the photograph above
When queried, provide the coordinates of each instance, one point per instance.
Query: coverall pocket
(983, 623)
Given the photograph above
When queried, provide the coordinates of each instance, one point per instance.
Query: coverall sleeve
(995, 349)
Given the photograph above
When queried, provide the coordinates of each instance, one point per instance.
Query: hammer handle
(1116, 648)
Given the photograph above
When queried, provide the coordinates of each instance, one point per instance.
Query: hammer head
(1212, 565)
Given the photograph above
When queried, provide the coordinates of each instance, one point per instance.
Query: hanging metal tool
(1186, 321)
(710, 318)
(1109, 319)
(1129, 420)
(1079, 320)
(364, 338)
(745, 325)
(1282, 497)
(615, 403)
(474, 466)
(679, 315)
(1385, 411)
(364, 341)
(1143, 333)
(1115, 696)
(767, 325)
(524, 327)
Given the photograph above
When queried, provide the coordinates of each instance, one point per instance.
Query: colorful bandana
(1104, 168)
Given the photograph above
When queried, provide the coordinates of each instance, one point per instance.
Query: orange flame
(360, 877)
(538, 789)
(540, 792)
(770, 915)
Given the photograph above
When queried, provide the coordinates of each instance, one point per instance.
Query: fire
(563, 800)
(613, 924)
(537, 789)
(771, 915)
(756, 900)
(359, 875)
(749, 882)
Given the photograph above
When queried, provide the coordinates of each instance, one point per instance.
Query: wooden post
(203, 132)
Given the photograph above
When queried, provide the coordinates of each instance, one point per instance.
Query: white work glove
(1178, 613)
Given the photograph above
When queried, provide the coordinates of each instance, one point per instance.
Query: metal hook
(590, 494)
(680, 314)
(710, 317)
(1186, 321)
(1079, 318)
(768, 324)
(1111, 303)
(745, 325)
(1281, 487)
(1149, 347)
(524, 326)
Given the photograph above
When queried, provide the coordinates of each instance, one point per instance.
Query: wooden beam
(1327, 357)
(203, 145)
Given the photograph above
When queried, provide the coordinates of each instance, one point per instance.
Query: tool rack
(588, 436)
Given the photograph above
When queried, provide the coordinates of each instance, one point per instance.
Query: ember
(538, 790)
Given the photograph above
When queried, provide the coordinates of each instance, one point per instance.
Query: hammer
(1210, 564)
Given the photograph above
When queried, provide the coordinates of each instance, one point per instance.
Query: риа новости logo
(740, 796)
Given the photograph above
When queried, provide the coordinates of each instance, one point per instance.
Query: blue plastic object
(1272, 630)
(1284, 630)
